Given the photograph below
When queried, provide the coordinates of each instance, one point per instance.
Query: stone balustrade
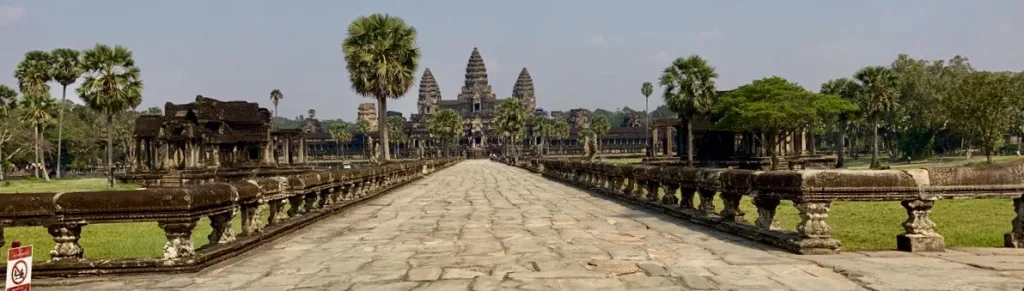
(811, 191)
(308, 197)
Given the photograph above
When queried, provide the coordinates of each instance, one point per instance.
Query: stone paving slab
(481, 225)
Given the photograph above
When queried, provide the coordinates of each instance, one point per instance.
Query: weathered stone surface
(424, 273)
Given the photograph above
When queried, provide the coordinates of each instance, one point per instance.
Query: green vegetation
(60, 185)
(690, 92)
(447, 127)
(511, 123)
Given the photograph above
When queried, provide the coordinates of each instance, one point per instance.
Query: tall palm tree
(341, 135)
(511, 119)
(67, 67)
(381, 58)
(879, 97)
(39, 109)
(312, 113)
(363, 126)
(446, 126)
(396, 126)
(112, 84)
(647, 89)
(849, 91)
(690, 92)
(542, 127)
(8, 100)
(275, 96)
(34, 72)
(561, 131)
(600, 127)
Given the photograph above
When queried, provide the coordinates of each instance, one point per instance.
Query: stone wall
(311, 196)
(811, 191)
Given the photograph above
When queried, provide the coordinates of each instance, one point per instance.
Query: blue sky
(586, 53)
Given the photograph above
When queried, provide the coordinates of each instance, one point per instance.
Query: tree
(600, 127)
(542, 128)
(67, 67)
(396, 125)
(34, 72)
(312, 113)
(363, 126)
(775, 108)
(647, 89)
(561, 131)
(690, 92)
(447, 127)
(511, 120)
(341, 135)
(38, 113)
(879, 98)
(112, 85)
(850, 91)
(381, 58)
(154, 111)
(8, 102)
(275, 96)
(984, 106)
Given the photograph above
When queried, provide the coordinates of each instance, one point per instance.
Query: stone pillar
(66, 236)
(288, 151)
(179, 238)
(766, 212)
(668, 141)
(732, 211)
(251, 222)
(221, 232)
(815, 234)
(920, 233)
(216, 156)
(654, 141)
(707, 201)
(1013, 239)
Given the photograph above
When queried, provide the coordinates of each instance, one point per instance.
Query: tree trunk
(382, 127)
(272, 117)
(772, 145)
(853, 148)
(40, 155)
(648, 152)
(3, 161)
(874, 146)
(841, 151)
(110, 149)
(689, 142)
(60, 127)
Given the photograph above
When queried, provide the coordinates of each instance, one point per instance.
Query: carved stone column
(251, 222)
(296, 206)
(310, 204)
(686, 197)
(1012, 239)
(670, 194)
(277, 213)
(766, 212)
(221, 232)
(920, 233)
(652, 190)
(815, 234)
(732, 211)
(641, 189)
(179, 238)
(326, 197)
(630, 187)
(66, 236)
(707, 201)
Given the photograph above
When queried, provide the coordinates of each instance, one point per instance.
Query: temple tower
(476, 90)
(524, 91)
(430, 93)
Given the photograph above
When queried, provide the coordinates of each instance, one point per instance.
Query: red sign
(19, 269)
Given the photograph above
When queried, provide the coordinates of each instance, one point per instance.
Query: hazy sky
(587, 53)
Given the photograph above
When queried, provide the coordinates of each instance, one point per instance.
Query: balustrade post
(297, 207)
(920, 233)
(652, 190)
(815, 234)
(221, 232)
(277, 212)
(251, 218)
(686, 197)
(66, 236)
(707, 201)
(310, 205)
(2, 242)
(766, 212)
(328, 196)
(1012, 239)
(641, 189)
(179, 238)
(732, 211)
(630, 188)
(670, 194)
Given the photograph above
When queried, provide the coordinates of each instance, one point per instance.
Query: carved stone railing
(176, 211)
(811, 191)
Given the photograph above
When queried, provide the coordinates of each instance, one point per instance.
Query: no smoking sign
(19, 269)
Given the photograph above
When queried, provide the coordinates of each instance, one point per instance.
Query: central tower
(476, 92)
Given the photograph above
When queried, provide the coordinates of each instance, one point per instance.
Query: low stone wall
(312, 196)
(812, 192)
(174, 179)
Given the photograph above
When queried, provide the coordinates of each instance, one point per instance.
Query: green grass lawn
(60, 185)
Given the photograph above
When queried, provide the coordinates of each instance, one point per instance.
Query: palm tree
(33, 72)
(542, 127)
(8, 101)
(275, 96)
(67, 67)
(381, 58)
(561, 131)
(112, 85)
(396, 125)
(339, 131)
(363, 126)
(647, 89)
(38, 113)
(511, 119)
(447, 126)
(312, 113)
(879, 97)
(600, 127)
(848, 90)
(690, 92)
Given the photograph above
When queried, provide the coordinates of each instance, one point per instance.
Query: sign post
(19, 269)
